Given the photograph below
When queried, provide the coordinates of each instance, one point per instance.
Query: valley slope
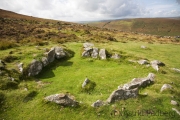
(24, 39)
(154, 26)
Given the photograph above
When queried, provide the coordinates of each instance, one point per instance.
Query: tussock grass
(6, 44)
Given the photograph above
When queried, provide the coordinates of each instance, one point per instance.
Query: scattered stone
(116, 56)
(176, 70)
(142, 62)
(155, 64)
(143, 47)
(172, 96)
(102, 54)
(62, 99)
(122, 94)
(51, 55)
(140, 82)
(145, 94)
(25, 89)
(174, 102)
(44, 61)
(165, 87)
(177, 111)
(95, 53)
(11, 78)
(35, 68)
(86, 81)
(60, 53)
(132, 61)
(98, 103)
(88, 45)
(20, 66)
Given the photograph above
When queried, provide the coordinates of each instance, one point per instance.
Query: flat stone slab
(165, 87)
(122, 94)
(140, 82)
(62, 99)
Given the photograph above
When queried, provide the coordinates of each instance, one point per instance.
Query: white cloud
(79, 10)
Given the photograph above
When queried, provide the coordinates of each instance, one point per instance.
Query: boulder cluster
(129, 90)
(124, 92)
(90, 51)
(155, 64)
(36, 66)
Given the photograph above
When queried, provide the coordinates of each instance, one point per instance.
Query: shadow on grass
(47, 71)
(30, 96)
(142, 96)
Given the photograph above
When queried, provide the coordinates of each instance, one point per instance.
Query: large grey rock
(156, 63)
(116, 56)
(44, 61)
(140, 82)
(20, 67)
(88, 48)
(88, 45)
(143, 47)
(142, 62)
(165, 87)
(35, 68)
(102, 54)
(95, 53)
(51, 55)
(122, 94)
(174, 102)
(98, 103)
(59, 52)
(86, 81)
(62, 99)
(87, 52)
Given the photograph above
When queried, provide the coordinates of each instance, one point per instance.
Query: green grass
(68, 76)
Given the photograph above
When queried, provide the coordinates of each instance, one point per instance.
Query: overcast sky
(86, 10)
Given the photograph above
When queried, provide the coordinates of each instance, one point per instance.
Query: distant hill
(9, 14)
(155, 26)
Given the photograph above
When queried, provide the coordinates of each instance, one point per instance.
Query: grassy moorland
(26, 100)
(154, 26)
